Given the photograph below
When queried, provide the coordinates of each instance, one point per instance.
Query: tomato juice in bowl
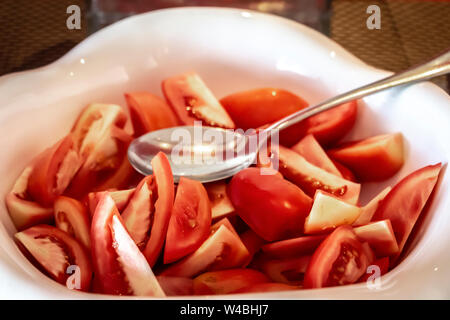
(298, 60)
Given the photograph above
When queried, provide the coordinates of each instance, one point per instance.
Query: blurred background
(34, 33)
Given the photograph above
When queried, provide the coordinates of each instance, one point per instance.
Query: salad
(87, 220)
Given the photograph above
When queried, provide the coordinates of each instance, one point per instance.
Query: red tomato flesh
(190, 220)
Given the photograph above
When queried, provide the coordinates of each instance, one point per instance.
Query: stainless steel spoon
(208, 154)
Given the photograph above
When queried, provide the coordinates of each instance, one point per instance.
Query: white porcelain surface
(232, 50)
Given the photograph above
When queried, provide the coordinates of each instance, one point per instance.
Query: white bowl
(232, 50)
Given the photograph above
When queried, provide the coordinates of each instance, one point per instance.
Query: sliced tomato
(222, 250)
(221, 205)
(373, 159)
(121, 178)
(310, 178)
(163, 207)
(53, 170)
(252, 242)
(289, 270)
(329, 212)
(226, 281)
(258, 107)
(149, 112)
(102, 142)
(330, 126)
(403, 205)
(72, 217)
(120, 197)
(291, 248)
(192, 100)
(339, 260)
(58, 255)
(267, 287)
(226, 223)
(176, 286)
(311, 150)
(369, 209)
(23, 211)
(190, 221)
(138, 214)
(273, 207)
(382, 263)
(380, 236)
(118, 263)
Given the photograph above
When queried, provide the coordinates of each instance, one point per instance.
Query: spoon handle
(436, 67)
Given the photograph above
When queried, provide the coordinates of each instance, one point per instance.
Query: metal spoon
(208, 154)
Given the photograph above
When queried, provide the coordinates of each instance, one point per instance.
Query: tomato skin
(372, 159)
(273, 207)
(74, 252)
(330, 126)
(404, 203)
(43, 180)
(163, 207)
(255, 108)
(226, 281)
(149, 112)
(291, 248)
(288, 270)
(190, 220)
(341, 246)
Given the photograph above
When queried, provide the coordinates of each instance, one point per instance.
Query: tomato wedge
(57, 254)
(311, 150)
(222, 250)
(252, 242)
(404, 203)
(102, 143)
(163, 207)
(273, 207)
(226, 281)
(221, 205)
(53, 170)
(380, 236)
(149, 112)
(329, 212)
(192, 100)
(255, 108)
(190, 220)
(330, 126)
(291, 248)
(373, 159)
(339, 260)
(23, 211)
(72, 217)
(310, 178)
(139, 213)
(118, 263)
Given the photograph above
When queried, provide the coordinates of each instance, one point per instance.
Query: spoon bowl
(197, 152)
